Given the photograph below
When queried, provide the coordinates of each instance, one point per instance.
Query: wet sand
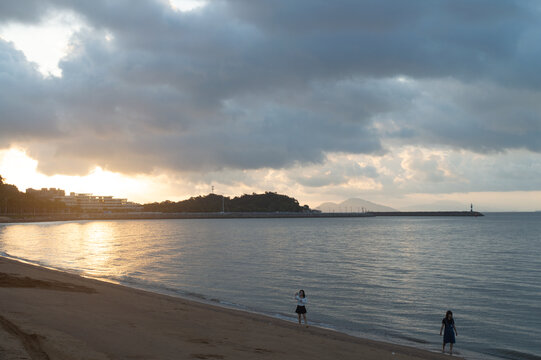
(47, 314)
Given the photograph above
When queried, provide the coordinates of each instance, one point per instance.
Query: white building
(91, 203)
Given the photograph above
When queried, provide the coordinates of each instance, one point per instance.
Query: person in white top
(301, 306)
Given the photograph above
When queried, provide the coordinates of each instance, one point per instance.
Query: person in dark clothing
(448, 323)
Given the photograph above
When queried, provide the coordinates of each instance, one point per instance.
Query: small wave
(412, 339)
(37, 263)
(192, 294)
(401, 338)
(119, 279)
(226, 302)
(512, 354)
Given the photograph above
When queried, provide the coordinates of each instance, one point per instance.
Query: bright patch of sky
(186, 5)
(45, 43)
(18, 168)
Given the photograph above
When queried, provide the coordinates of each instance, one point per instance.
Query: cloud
(25, 11)
(240, 85)
(463, 39)
(477, 116)
(335, 174)
(27, 109)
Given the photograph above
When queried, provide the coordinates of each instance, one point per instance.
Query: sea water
(385, 278)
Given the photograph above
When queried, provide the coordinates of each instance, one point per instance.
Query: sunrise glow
(170, 126)
(22, 170)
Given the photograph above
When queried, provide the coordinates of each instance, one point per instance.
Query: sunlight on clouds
(16, 167)
(402, 79)
(341, 177)
(186, 5)
(425, 165)
(46, 43)
(363, 184)
(19, 169)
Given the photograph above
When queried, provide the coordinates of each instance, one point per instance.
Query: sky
(432, 103)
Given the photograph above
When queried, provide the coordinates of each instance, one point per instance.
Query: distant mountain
(353, 205)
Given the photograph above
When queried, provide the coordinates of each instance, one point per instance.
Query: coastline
(46, 313)
(226, 215)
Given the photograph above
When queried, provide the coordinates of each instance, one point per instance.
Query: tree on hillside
(12, 201)
(267, 202)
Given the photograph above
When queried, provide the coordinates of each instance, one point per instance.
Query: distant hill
(353, 205)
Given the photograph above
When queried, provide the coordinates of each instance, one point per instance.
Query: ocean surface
(384, 278)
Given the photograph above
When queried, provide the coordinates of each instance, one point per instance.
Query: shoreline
(227, 215)
(34, 309)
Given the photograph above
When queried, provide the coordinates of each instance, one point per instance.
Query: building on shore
(51, 193)
(86, 202)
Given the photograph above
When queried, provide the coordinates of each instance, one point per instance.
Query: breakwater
(428, 213)
(225, 215)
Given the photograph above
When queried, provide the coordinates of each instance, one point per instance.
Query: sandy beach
(47, 314)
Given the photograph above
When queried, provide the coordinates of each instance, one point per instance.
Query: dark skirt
(300, 309)
(449, 336)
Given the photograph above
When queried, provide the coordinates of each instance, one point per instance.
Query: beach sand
(47, 314)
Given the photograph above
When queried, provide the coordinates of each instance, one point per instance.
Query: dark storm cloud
(415, 38)
(244, 84)
(26, 110)
(26, 11)
(479, 117)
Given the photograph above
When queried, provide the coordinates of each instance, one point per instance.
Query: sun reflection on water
(88, 247)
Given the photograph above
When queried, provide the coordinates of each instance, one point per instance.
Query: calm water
(384, 278)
